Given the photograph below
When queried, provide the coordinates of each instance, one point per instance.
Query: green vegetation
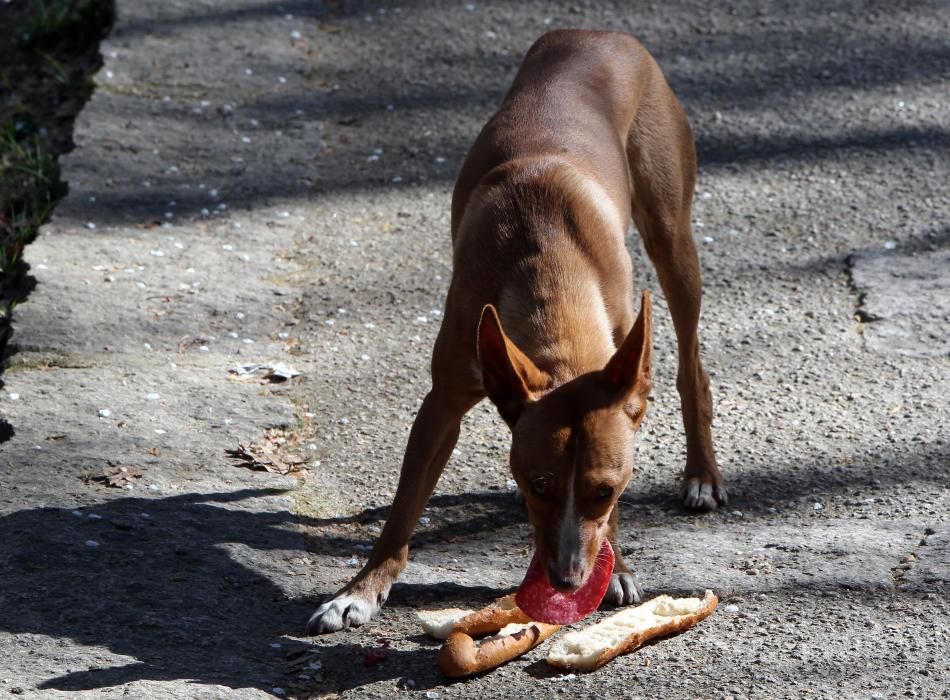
(46, 67)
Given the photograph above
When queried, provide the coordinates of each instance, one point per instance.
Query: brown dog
(540, 316)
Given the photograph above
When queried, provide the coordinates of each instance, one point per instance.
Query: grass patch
(47, 60)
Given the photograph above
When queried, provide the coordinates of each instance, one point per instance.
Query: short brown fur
(540, 316)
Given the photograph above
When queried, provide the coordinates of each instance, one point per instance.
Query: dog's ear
(629, 372)
(509, 376)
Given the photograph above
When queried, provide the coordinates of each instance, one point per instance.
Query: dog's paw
(340, 612)
(698, 493)
(623, 589)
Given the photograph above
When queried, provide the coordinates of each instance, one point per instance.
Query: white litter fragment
(284, 215)
(732, 608)
(13, 396)
(92, 543)
(265, 370)
(104, 413)
(152, 397)
(890, 245)
(295, 34)
(77, 513)
(227, 246)
(248, 71)
(245, 139)
(281, 79)
(708, 239)
(90, 225)
(159, 431)
(94, 516)
(158, 253)
(818, 506)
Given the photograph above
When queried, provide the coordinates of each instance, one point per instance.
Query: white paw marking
(342, 611)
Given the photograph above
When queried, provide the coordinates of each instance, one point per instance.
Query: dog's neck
(567, 332)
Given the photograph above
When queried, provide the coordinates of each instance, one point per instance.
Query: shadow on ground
(766, 70)
(162, 580)
(152, 580)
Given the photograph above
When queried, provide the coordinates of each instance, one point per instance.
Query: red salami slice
(541, 602)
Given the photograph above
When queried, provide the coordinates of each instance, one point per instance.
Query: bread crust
(488, 620)
(675, 625)
(463, 656)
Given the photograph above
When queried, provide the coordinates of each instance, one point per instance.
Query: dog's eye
(539, 485)
(604, 492)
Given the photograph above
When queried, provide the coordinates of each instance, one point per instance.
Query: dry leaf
(118, 476)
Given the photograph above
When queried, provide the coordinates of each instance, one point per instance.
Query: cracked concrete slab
(905, 301)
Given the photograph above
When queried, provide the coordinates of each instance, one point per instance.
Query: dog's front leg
(431, 441)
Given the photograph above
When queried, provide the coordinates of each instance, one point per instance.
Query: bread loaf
(591, 647)
(440, 623)
(462, 656)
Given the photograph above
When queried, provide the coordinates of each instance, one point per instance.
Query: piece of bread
(593, 646)
(440, 623)
(502, 612)
(462, 656)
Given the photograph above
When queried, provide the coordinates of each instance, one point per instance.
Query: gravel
(822, 142)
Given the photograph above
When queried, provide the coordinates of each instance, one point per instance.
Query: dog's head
(572, 446)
